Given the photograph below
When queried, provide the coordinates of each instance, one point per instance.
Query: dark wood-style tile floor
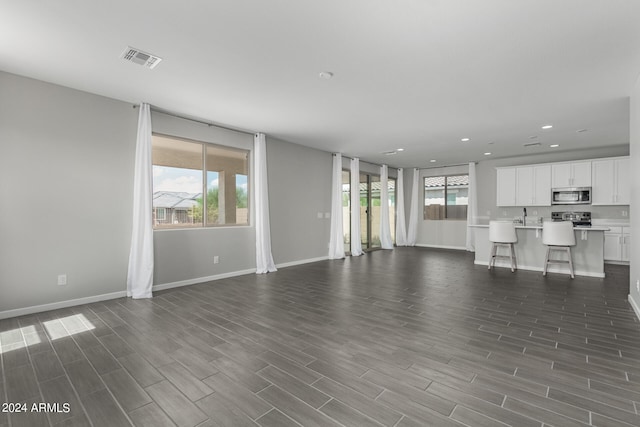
(410, 337)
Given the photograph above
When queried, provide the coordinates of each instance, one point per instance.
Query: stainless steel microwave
(571, 196)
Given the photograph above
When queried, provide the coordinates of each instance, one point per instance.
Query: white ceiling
(412, 74)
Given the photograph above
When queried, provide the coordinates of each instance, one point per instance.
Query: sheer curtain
(336, 239)
(472, 209)
(401, 227)
(356, 244)
(140, 271)
(412, 232)
(264, 258)
(385, 227)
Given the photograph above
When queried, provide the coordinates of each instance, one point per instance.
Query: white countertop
(539, 227)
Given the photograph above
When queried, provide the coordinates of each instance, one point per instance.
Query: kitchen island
(587, 254)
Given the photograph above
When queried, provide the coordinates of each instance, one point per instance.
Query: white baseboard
(197, 280)
(457, 248)
(551, 269)
(634, 305)
(61, 304)
(302, 261)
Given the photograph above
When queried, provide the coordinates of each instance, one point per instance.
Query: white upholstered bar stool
(502, 233)
(558, 236)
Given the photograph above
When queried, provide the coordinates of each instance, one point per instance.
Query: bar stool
(502, 233)
(558, 236)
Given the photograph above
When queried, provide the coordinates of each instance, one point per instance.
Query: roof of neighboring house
(175, 200)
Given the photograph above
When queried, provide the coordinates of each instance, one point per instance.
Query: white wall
(66, 169)
(634, 288)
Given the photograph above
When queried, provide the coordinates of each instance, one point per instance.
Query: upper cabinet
(506, 187)
(571, 174)
(533, 185)
(610, 182)
(530, 185)
(524, 186)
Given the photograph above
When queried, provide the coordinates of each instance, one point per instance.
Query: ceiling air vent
(531, 144)
(139, 57)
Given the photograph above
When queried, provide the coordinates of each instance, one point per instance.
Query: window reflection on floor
(26, 336)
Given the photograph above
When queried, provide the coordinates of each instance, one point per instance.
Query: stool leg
(492, 258)
(546, 261)
(515, 260)
(570, 262)
(511, 256)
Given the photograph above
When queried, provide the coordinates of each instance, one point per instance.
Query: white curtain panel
(356, 244)
(401, 223)
(412, 231)
(472, 209)
(336, 239)
(264, 258)
(140, 271)
(385, 227)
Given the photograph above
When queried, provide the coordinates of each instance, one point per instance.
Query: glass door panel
(364, 210)
(346, 210)
(392, 207)
(374, 211)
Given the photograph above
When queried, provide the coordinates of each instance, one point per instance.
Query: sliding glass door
(369, 209)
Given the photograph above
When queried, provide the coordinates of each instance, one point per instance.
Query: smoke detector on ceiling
(139, 57)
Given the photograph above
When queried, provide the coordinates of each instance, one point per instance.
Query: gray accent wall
(66, 173)
(299, 191)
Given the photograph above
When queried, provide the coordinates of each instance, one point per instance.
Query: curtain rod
(447, 166)
(210, 124)
(364, 161)
(433, 167)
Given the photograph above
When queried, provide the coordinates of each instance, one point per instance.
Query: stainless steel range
(580, 219)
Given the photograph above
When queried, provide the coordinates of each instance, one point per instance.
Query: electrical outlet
(62, 279)
(624, 213)
(216, 259)
(535, 212)
(319, 215)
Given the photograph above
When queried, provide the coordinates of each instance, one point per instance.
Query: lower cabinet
(617, 242)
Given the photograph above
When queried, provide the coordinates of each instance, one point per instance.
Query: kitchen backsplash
(597, 212)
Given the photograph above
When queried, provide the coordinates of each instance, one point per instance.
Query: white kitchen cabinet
(626, 243)
(610, 182)
(533, 185)
(506, 187)
(617, 242)
(571, 174)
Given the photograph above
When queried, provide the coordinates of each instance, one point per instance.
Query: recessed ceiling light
(390, 153)
(325, 75)
(547, 126)
(554, 145)
(487, 154)
(582, 130)
(465, 139)
(400, 149)
(432, 160)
